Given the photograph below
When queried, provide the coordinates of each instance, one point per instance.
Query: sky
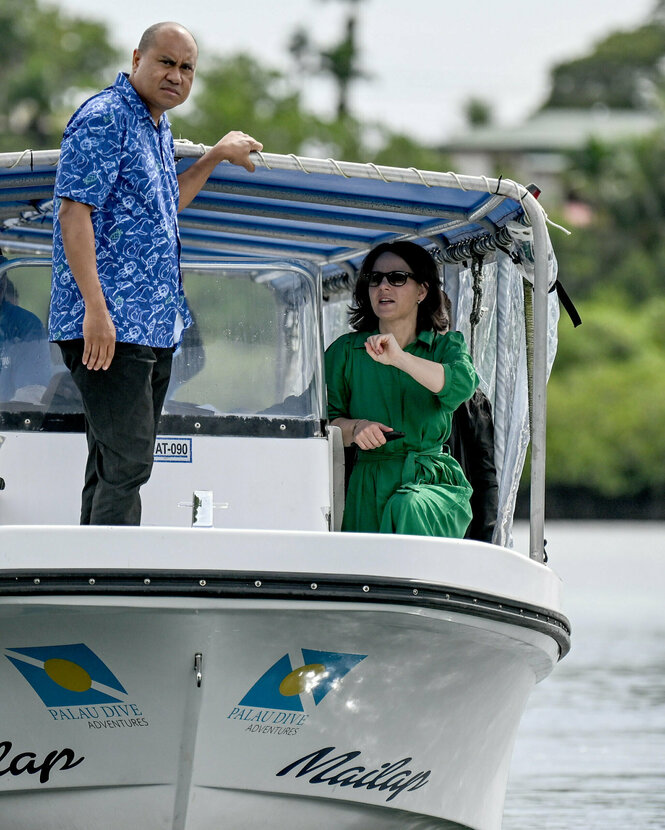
(421, 67)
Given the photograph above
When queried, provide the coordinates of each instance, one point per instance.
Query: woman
(395, 372)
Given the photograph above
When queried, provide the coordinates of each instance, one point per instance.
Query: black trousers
(122, 405)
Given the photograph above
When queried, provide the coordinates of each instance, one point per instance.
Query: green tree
(238, 92)
(624, 247)
(341, 61)
(302, 53)
(605, 407)
(398, 150)
(46, 57)
(623, 71)
(478, 112)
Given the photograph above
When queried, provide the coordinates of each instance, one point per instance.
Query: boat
(237, 661)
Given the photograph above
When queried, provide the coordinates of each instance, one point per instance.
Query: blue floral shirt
(115, 159)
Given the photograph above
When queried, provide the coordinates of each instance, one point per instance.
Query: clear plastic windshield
(254, 348)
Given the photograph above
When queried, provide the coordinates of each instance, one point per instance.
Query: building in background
(535, 151)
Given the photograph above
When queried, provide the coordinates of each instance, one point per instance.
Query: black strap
(568, 304)
(562, 294)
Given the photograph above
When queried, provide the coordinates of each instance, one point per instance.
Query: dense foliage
(46, 57)
(606, 406)
(619, 73)
(624, 246)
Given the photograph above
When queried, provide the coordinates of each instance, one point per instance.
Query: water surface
(590, 751)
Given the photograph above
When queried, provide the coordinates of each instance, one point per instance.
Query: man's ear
(136, 57)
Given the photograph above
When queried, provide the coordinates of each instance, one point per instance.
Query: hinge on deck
(202, 507)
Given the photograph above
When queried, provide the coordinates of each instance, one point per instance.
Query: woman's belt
(428, 460)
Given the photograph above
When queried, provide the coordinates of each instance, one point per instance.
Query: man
(117, 303)
(25, 362)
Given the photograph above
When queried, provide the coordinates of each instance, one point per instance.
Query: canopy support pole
(539, 379)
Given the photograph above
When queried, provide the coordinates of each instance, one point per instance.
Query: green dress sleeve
(337, 377)
(461, 379)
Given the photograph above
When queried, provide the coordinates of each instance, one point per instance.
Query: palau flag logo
(70, 675)
(282, 685)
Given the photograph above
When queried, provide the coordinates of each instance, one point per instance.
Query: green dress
(409, 485)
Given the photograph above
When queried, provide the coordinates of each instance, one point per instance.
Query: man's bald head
(149, 37)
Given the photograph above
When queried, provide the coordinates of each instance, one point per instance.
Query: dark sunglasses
(397, 278)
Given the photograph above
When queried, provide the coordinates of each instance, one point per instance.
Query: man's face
(163, 74)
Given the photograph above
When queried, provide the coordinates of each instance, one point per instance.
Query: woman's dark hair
(433, 313)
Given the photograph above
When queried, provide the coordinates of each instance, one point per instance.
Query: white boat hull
(349, 701)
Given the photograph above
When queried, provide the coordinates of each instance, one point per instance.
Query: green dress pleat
(410, 485)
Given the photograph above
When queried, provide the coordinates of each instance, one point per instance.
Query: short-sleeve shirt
(115, 159)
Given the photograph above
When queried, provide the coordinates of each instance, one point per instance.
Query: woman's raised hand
(383, 348)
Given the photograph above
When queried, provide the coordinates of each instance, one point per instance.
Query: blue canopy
(324, 211)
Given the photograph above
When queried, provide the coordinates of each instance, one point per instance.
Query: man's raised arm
(234, 147)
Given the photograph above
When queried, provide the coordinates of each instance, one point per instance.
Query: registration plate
(174, 450)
